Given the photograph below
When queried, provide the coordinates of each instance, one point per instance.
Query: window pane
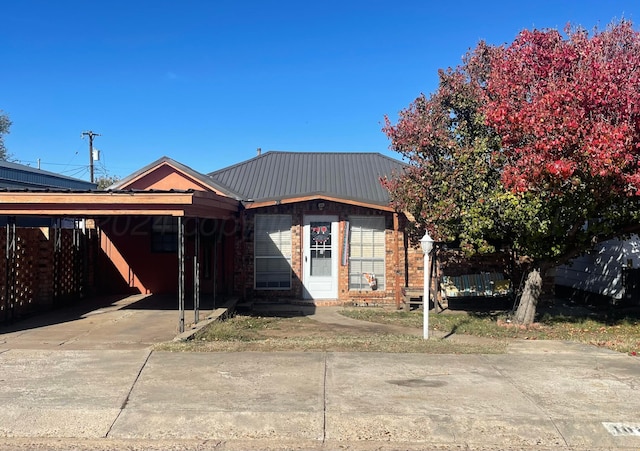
(367, 252)
(164, 234)
(272, 249)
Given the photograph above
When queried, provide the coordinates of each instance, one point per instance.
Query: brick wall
(396, 262)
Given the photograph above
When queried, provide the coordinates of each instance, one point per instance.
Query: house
(317, 226)
(307, 226)
(279, 227)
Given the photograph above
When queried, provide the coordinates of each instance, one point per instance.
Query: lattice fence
(18, 271)
(41, 267)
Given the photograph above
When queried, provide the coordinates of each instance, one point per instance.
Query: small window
(164, 234)
(272, 252)
(366, 252)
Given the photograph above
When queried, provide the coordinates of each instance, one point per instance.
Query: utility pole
(90, 134)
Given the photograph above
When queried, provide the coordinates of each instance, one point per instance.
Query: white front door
(320, 260)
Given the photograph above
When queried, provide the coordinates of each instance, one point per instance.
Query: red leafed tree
(568, 109)
(544, 138)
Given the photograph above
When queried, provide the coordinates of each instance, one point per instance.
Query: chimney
(259, 151)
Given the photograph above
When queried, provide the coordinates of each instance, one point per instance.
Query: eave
(292, 200)
(101, 203)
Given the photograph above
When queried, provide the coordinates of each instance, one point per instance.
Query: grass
(265, 333)
(483, 333)
(618, 331)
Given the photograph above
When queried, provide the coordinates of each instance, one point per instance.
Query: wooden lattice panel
(66, 280)
(19, 283)
(25, 264)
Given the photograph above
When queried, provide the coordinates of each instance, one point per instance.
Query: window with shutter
(272, 251)
(367, 252)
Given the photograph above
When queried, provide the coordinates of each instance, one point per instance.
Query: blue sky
(206, 82)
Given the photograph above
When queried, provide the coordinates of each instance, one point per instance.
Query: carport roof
(189, 203)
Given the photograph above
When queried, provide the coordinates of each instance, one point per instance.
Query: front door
(320, 260)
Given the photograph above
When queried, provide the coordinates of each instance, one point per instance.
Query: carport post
(181, 274)
(215, 270)
(196, 274)
(10, 263)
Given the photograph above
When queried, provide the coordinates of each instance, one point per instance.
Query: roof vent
(259, 151)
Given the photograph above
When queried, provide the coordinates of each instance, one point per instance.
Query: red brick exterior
(403, 264)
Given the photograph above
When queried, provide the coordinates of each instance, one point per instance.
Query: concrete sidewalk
(540, 395)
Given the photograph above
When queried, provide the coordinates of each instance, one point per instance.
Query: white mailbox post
(427, 245)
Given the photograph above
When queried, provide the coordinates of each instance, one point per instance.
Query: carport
(180, 219)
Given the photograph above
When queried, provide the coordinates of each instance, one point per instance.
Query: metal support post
(181, 274)
(10, 273)
(196, 273)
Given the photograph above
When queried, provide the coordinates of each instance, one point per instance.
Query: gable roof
(14, 176)
(161, 171)
(280, 176)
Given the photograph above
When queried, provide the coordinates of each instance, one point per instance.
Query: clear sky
(206, 82)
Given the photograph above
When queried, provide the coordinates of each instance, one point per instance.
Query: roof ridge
(241, 163)
(315, 152)
(293, 152)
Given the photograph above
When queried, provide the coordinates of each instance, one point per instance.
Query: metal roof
(276, 175)
(18, 176)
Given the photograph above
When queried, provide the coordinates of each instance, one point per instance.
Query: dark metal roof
(18, 176)
(278, 175)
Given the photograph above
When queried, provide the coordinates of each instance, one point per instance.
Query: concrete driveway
(538, 396)
(87, 379)
(127, 322)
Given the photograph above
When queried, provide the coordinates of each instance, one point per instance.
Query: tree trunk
(529, 301)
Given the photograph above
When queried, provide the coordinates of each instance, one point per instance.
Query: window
(272, 250)
(164, 234)
(366, 252)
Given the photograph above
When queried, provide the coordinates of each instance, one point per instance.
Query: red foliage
(568, 108)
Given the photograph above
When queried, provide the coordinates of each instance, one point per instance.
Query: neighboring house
(15, 176)
(610, 269)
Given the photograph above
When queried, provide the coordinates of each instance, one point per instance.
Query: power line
(29, 163)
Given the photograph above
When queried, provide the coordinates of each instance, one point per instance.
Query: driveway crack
(126, 399)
